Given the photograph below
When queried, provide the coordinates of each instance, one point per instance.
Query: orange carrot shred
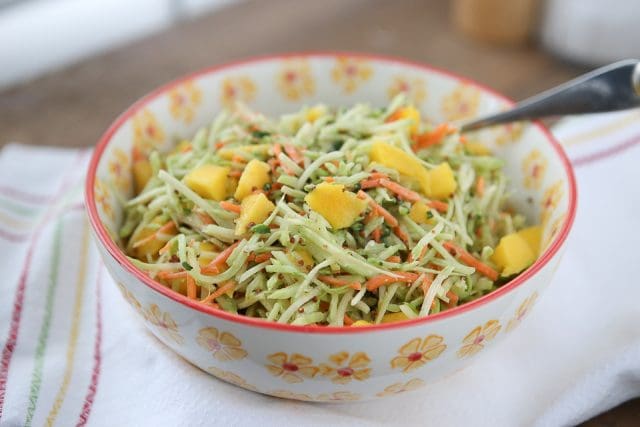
(426, 283)
(170, 275)
(231, 207)
(376, 234)
(235, 173)
(394, 258)
(168, 228)
(348, 321)
(438, 205)
(213, 266)
(191, 287)
(471, 261)
(329, 179)
(369, 183)
(401, 235)
(338, 281)
(453, 299)
(223, 289)
(389, 219)
(480, 186)
(293, 153)
(401, 191)
(205, 218)
(433, 137)
(382, 279)
(378, 175)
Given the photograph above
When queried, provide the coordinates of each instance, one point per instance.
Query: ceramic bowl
(329, 363)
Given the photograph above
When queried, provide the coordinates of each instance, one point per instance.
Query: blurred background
(69, 67)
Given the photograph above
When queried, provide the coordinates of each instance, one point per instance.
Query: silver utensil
(613, 87)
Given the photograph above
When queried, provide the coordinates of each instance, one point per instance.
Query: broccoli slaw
(341, 217)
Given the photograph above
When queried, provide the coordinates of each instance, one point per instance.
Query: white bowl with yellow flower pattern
(329, 363)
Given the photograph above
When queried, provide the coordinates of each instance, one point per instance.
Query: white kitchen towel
(73, 352)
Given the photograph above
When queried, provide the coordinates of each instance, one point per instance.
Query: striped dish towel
(74, 354)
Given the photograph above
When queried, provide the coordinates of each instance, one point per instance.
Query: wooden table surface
(74, 106)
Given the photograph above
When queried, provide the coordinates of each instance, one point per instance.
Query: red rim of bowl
(120, 257)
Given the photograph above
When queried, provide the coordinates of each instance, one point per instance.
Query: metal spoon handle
(610, 88)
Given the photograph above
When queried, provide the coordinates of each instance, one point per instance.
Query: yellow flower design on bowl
(224, 346)
(349, 73)
(417, 352)
(522, 311)
(462, 103)
(147, 132)
(292, 369)
(343, 368)
(477, 338)
(131, 299)
(103, 198)
(120, 169)
(231, 378)
(552, 197)
(338, 396)
(398, 388)
(237, 89)
(184, 101)
(534, 166)
(555, 228)
(164, 324)
(414, 88)
(295, 79)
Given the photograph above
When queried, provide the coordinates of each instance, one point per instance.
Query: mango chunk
(207, 253)
(394, 317)
(254, 209)
(142, 171)
(209, 181)
(404, 163)
(360, 323)
(533, 236)
(315, 113)
(513, 254)
(477, 148)
(339, 207)
(301, 257)
(254, 177)
(407, 113)
(419, 213)
(259, 149)
(443, 183)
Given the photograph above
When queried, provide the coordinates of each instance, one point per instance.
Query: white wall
(38, 36)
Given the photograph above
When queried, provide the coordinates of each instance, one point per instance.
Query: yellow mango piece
(205, 259)
(477, 148)
(254, 177)
(394, 317)
(419, 213)
(301, 257)
(513, 254)
(254, 209)
(339, 207)
(360, 323)
(395, 158)
(260, 149)
(142, 171)
(315, 113)
(443, 183)
(407, 113)
(209, 181)
(150, 247)
(533, 236)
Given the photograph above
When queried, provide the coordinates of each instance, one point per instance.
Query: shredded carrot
(348, 321)
(170, 275)
(293, 153)
(453, 299)
(277, 149)
(376, 234)
(231, 207)
(167, 228)
(191, 287)
(382, 279)
(219, 145)
(165, 248)
(433, 137)
(438, 205)
(337, 281)
(369, 183)
(426, 283)
(378, 175)
(480, 186)
(238, 159)
(401, 235)
(471, 261)
(260, 257)
(205, 218)
(213, 266)
(329, 179)
(401, 191)
(235, 173)
(394, 258)
(389, 219)
(223, 289)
